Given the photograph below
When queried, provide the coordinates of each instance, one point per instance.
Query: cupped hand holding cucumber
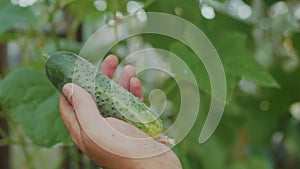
(79, 108)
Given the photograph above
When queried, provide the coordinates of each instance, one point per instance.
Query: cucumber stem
(46, 56)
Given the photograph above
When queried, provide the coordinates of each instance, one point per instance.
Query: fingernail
(135, 82)
(130, 69)
(113, 60)
(68, 91)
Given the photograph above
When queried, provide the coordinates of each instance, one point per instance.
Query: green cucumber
(112, 100)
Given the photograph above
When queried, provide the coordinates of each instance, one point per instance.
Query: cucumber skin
(65, 67)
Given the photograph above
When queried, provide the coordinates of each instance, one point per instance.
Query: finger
(135, 87)
(86, 111)
(127, 73)
(109, 66)
(71, 123)
(79, 102)
(93, 126)
(80, 99)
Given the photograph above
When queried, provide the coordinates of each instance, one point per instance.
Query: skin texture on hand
(95, 135)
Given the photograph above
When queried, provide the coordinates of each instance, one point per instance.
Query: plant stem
(170, 87)
(9, 141)
(148, 3)
(72, 32)
(3, 133)
(116, 33)
(53, 33)
(20, 140)
(4, 142)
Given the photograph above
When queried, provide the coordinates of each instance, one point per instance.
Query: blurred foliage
(258, 43)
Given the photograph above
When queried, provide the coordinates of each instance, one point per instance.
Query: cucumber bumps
(112, 100)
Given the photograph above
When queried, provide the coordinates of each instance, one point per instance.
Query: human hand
(105, 140)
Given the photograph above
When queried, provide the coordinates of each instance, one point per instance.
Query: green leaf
(194, 63)
(296, 42)
(239, 61)
(199, 70)
(33, 103)
(14, 16)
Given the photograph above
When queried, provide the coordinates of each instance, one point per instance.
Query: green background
(259, 51)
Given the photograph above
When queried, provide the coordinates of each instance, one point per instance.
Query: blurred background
(258, 42)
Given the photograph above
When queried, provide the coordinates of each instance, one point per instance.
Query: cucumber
(112, 100)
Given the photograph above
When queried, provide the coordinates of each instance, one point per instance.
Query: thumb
(80, 99)
(86, 111)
